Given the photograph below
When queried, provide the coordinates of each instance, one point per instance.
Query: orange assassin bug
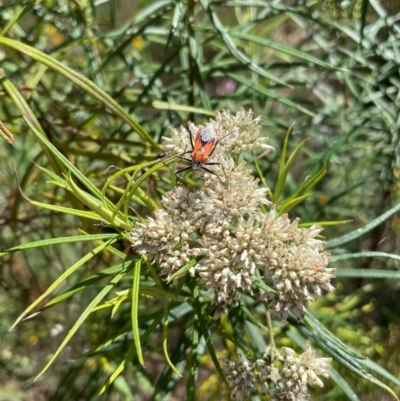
(205, 142)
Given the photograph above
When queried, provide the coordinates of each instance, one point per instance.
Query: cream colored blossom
(240, 376)
(235, 133)
(289, 382)
(164, 240)
(297, 373)
(227, 231)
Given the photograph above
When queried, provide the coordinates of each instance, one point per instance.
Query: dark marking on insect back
(207, 134)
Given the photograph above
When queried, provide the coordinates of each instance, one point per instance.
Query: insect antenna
(222, 137)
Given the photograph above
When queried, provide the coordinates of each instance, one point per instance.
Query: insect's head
(196, 164)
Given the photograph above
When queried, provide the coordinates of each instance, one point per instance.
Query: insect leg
(191, 139)
(215, 164)
(213, 173)
(182, 171)
(187, 160)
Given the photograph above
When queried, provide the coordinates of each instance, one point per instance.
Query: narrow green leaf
(178, 12)
(342, 383)
(365, 254)
(204, 330)
(195, 357)
(233, 48)
(280, 184)
(325, 223)
(285, 147)
(128, 356)
(83, 83)
(131, 352)
(283, 49)
(165, 338)
(64, 161)
(28, 115)
(68, 210)
(311, 182)
(160, 105)
(135, 310)
(60, 240)
(368, 273)
(182, 270)
(144, 176)
(259, 172)
(289, 204)
(63, 277)
(87, 282)
(107, 288)
(6, 134)
(268, 93)
(344, 239)
(98, 207)
(125, 172)
(18, 13)
(367, 363)
(257, 340)
(330, 338)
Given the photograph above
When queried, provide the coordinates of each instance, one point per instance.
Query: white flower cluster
(224, 229)
(287, 383)
(243, 130)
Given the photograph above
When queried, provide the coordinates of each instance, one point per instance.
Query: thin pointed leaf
(206, 335)
(284, 49)
(83, 82)
(160, 105)
(325, 223)
(27, 114)
(289, 204)
(365, 254)
(344, 239)
(364, 8)
(135, 310)
(70, 167)
(131, 353)
(87, 282)
(144, 176)
(120, 368)
(6, 134)
(367, 363)
(60, 240)
(165, 338)
(233, 49)
(368, 273)
(342, 383)
(268, 93)
(68, 210)
(285, 171)
(99, 297)
(183, 270)
(63, 277)
(178, 12)
(314, 180)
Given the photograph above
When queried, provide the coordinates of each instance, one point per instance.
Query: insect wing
(204, 143)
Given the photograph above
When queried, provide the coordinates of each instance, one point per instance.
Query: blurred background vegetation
(329, 69)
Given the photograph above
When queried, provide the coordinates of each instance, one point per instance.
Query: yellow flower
(54, 35)
(137, 42)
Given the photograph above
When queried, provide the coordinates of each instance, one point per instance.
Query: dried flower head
(297, 373)
(243, 128)
(224, 229)
(240, 376)
(289, 382)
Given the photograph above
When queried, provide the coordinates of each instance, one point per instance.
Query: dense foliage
(88, 92)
